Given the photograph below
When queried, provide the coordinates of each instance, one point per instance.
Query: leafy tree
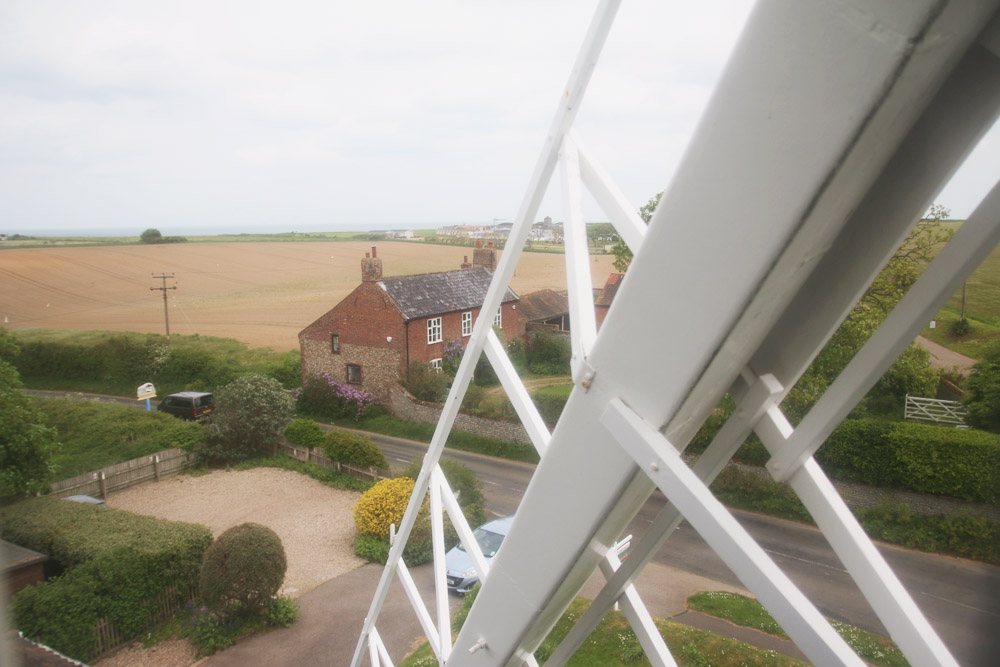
(622, 253)
(151, 236)
(911, 372)
(601, 231)
(983, 400)
(251, 413)
(26, 444)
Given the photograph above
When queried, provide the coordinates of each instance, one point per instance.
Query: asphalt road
(961, 598)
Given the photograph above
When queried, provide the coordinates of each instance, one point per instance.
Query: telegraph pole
(164, 288)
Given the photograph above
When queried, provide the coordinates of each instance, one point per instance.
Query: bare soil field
(260, 293)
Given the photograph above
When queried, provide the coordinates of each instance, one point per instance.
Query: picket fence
(100, 483)
(316, 455)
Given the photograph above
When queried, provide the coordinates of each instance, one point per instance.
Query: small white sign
(933, 324)
(145, 391)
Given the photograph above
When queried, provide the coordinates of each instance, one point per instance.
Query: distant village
(546, 230)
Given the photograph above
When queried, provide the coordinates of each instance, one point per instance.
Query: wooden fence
(935, 410)
(123, 475)
(316, 455)
(165, 605)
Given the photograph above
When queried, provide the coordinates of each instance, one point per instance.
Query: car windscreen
(488, 542)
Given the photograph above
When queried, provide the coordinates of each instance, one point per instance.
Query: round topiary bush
(304, 433)
(383, 504)
(242, 570)
(358, 450)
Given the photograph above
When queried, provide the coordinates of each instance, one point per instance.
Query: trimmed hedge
(116, 561)
(358, 450)
(960, 463)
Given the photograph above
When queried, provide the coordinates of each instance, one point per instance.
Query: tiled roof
(542, 305)
(437, 293)
(607, 294)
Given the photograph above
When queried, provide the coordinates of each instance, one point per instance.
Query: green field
(982, 309)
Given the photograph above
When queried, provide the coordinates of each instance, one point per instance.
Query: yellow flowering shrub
(383, 504)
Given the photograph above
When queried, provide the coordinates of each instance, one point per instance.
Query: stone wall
(379, 366)
(404, 406)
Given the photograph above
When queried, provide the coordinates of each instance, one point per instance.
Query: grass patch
(95, 435)
(749, 613)
(328, 476)
(460, 440)
(982, 334)
(613, 643)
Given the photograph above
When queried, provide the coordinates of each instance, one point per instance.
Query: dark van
(191, 405)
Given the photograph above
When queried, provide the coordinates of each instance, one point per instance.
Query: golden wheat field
(260, 293)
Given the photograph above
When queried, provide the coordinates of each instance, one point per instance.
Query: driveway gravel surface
(314, 521)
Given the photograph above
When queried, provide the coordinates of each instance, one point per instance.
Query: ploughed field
(260, 293)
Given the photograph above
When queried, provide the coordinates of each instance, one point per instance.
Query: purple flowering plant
(321, 395)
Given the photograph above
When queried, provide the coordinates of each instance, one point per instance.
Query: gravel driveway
(314, 522)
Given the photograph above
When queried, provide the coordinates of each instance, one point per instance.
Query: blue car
(462, 574)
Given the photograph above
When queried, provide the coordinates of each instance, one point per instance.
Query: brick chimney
(485, 257)
(371, 267)
(465, 263)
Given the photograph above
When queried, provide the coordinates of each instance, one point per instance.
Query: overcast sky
(301, 114)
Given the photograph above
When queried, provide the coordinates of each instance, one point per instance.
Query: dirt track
(260, 293)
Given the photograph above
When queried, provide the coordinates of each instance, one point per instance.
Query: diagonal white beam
(612, 201)
(566, 112)
(440, 573)
(761, 395)
(526, 409)
(423, 616)
(662, 463)
(968, 248)
(875, 579)
(583, 329)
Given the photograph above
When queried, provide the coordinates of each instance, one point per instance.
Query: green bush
(282, 611)
(548, 353)
(966, 534)
(418, 549)
(304, 433)
(115, 562)
(463, 483)
(243, 570)
(551, 401)
(250, 414)
(357, 450)
(425, 383)
(960, 463)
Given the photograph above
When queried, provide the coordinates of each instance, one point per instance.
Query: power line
(164, 288)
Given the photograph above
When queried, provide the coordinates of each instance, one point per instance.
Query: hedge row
(945, 461)
(118, 363)
(115, 563)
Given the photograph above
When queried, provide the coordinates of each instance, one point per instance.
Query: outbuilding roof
(542, 305)
(437, 293)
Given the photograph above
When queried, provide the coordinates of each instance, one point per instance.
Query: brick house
(370, 337)
(602, 304)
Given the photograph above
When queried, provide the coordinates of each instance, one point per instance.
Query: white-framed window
(467, 323)
(436, 364)
(434, 330)
(496, 318)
